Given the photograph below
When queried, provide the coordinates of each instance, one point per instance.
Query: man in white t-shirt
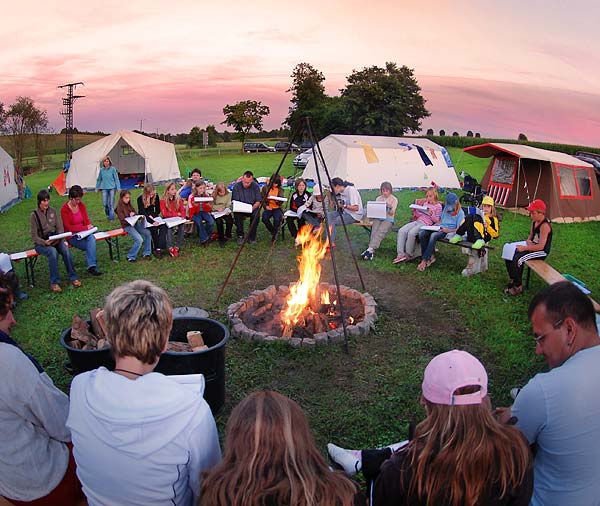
(350, 206)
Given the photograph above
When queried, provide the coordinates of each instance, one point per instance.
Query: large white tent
(367, 161)
(9, 193)
(131, 153)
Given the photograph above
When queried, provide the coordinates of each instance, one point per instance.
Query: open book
(280, 199)
(376, 209)
(169, 222)
(84, 233)
(509, 249)
(219, 214)
(432, 228)
(56, 237)
(241, 207)
(195, 382)
(203, 199)
(419, 208)
(132, 220)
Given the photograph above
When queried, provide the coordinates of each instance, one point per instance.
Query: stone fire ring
(258, 297)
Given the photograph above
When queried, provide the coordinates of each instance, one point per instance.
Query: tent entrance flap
(127, 159)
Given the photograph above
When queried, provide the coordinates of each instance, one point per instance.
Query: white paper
(157, 221)
(84, 233)
(64, 235)
(173, 221)
(132, 220)
(203, 199)
(376, 209)
(509, 249)
(291, 214)
(419, 208)
(195, 382)
(280, 199)
(241, 207)
(5, 264)
(219, 214)
(432, 228)
(18, 256)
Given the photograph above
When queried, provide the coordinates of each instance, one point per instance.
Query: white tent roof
(9, 193)
(367, 161)
(523, 151)
(130, 153)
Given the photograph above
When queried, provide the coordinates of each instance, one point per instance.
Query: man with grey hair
(139, 437)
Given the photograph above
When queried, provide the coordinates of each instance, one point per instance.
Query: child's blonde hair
(432, 191)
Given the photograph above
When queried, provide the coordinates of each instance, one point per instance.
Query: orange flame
(302, 292)
(325, 298)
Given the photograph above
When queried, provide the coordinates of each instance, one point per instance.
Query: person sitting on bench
(480, 227)
(537, 246)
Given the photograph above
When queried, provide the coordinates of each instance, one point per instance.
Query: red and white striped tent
(518, 174)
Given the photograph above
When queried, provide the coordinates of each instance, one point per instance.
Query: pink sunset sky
(498, 68)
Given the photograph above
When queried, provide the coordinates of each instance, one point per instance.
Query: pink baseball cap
(450, 371)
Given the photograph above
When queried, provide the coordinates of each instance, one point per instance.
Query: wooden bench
(550, 275)
(30, 257)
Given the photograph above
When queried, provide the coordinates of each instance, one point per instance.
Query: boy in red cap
(537, 246)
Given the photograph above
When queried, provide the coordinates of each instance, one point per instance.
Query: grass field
(363, 398)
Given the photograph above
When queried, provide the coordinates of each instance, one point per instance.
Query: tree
(469, 134)
(212, 136)
(430, 131)
(384, 101)
(455, 134)
(522, 137)
(226, 136)
(195, 137)
(442, 133)
(23, 120)
(477, 135)
(244, 116)
(308, 95)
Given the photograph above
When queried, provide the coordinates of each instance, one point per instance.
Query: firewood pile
(84, 338)
(194, 343)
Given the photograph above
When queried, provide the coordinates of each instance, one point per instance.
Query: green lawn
(365, 397)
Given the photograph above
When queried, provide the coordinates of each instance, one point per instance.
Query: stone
(308, 342)
(235, 320)
(271, 339)
(335, 336)
(238, 329)
(321, 338)
(353, 331)
(258, 336)
(270, 291)
(246, 333)
(283, 290)
(296, 342)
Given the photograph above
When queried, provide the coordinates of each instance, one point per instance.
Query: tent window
(503, 171)
(127, 150)
(574, 182)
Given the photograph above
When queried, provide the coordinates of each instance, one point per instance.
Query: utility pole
(142, 125)
(67, 112)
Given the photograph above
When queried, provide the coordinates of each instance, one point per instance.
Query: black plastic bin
(210, 362)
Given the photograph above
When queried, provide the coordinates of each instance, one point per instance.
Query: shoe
(158, 253)
(455, 239)
(478, 244)
(514, 392)
(368, 255)
(466, 272)
(146, 257)
(94, 271)
(172, 252)
(252, 241)
(131, 260)
(345, 458)
(240, 240)
(176, 252)
(76, 283)
(514, 290)
(399, 259)
(362, 255)
(55, 287)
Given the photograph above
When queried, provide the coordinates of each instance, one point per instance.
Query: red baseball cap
(537, 205)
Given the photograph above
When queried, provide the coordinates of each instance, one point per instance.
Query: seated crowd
(136, 437)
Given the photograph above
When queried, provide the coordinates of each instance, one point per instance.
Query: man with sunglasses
(559, 411)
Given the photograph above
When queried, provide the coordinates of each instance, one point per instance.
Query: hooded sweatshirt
(140, 442)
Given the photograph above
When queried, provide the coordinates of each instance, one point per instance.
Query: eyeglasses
(555, 326)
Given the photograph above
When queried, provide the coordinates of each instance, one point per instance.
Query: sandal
(431, 261)
(514, 290)
(400, 258)
(422, 266)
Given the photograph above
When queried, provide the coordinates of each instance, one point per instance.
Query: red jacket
(67, 218)
(172, 211)
(196, 207)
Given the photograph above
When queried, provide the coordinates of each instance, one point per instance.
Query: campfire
(308, 311)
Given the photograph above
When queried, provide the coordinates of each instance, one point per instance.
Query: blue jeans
(335, 219)
(272, 214)
(89, 246)
(51, 253)
(427, 240)
(140, 234)
(108, 201)
(204, 229)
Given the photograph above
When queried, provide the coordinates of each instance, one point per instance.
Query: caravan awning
(521, 151)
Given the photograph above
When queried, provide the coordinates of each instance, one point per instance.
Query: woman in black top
(297, 200)
(149, 205)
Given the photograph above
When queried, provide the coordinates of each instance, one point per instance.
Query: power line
(67, 112)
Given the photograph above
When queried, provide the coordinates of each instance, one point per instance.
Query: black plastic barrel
(209, 362)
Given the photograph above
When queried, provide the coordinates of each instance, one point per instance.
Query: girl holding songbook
(199, 209)
(272, 215)
(381, 227)
(149, 206)
(138, 232)
(222, 201)
(298, 199)
(171, 206)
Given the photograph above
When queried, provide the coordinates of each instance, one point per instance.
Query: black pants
(224, 230)
(291, 223)
(239, 218)
(468, 227)
(517, 264)
(159, 236)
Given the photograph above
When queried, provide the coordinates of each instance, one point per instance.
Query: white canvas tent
(9, 193)
(367, 161)
(131, 153)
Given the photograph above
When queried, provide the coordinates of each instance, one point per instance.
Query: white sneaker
(514, 392)
(345, 458)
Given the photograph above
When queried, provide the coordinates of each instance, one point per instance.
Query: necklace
(129, 372)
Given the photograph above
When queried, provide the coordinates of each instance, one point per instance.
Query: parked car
(257, 147)
(283, 146)
(306, 145)
(302, 159)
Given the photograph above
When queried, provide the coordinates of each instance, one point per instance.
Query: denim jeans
(51, 253)
(205, 229)
(427, 239)
(180, 234)
(140, 234)
(89, 246)
(277, 216)
(335, 219)
(108, 201)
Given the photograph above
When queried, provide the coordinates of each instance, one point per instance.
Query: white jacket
(140, 442)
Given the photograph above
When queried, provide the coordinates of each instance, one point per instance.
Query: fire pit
(307, 312)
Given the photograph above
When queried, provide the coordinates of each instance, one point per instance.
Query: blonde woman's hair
(221, 186)
(146, 195)
(167, 198)
(434, 192)
(270, 458)
(460, 452)
(138, 318)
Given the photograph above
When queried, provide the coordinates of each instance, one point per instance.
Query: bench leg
(527, 277)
